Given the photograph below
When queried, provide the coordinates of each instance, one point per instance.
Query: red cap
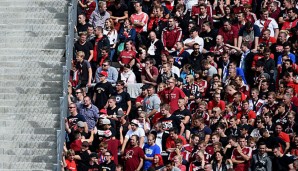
(103, 73)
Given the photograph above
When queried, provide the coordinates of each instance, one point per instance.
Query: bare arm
(141, 144)
(91, 56)
(128, 108)
(182, 128)
(140, 164)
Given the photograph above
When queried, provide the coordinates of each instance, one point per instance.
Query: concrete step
(41, 59)
(19, 124)
(30, 130)
(26, 151)
(28, 144)
(33, 166)
(30, 103)
(37, 77)
(32, 27)
(31, 90)
(35, 20)
(38, 45)
(40, 33)
(33, 40)
(32, 110)
(28, 83)
(13, 96)
(33, 65)
(29, 116)
(34, 4)
(30, 51)
(28, 158)
(28, 70)
(41, 15)
(27, 137)
(57, 9)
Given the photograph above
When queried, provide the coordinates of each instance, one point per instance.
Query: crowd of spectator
(190, 85)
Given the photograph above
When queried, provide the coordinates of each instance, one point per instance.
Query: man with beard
(196, 57)
(229, 33)
(133, 155)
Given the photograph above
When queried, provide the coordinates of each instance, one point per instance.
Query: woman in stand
(219, 162)
(157, 163)
(112, 34)
(178, 163)
(127, 75)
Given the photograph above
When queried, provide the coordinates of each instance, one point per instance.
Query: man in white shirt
(265, 22)
(194, 38)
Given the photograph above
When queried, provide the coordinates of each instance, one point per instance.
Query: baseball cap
(135, 122)
(106, 121)
(103, 111)
(81, 124)
(103, 74)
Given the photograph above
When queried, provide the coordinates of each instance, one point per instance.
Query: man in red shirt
(149, 73)
(171, 35)
(127, 56)
(229, 33)
(216, 102)
(172, 94)
(139, 19)
(133, 155)
(173, 136)
(241, 155)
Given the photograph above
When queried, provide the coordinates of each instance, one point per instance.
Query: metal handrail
(72, 16)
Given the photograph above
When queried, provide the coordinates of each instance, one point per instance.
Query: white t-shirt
(272, 25)
(139, 132)
(198, 40)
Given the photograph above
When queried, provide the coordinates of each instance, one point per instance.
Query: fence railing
(72, 18)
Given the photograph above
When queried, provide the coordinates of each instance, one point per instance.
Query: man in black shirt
(83, 45)
(122, 98)
(84, 68)
(102, 91)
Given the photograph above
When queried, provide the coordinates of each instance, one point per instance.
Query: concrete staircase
(32, 51)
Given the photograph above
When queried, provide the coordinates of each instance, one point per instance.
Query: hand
(121, 129)
(88, 84)
(116, 20)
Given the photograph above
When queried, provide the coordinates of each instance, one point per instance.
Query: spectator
(84, 69)
(112, 72)
(171, 35)
(133, 155)
(99, 16)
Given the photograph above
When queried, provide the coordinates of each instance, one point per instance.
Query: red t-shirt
(170, 143)
(251, 114)
(212, 104)
(235, 155)
(126, 56)
(229, 36)
(153, 71)
(284, 136)
(113, 145)
(171, 97)
(134, 154)
(71, 165)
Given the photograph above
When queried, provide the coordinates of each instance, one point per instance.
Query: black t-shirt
(182, 114)
(282, 163)
(235, 132)
(86, 47)
(272, 142)
(122, 99)
(170, 122)
(209, 39)
(83, 69)
(118, 12)
(102, 92)
(83, 164)
(107, 166)
(82, 28)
